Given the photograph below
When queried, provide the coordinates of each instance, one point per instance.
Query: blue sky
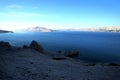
(59, 14)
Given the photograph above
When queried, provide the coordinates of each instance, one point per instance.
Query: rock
(73, 54)
(36, 46)
(113, 64)
(5, 45)
(25, 46)
(61, 52)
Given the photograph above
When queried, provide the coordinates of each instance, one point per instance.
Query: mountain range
(98, 29)
(106, 29)
(43, 29)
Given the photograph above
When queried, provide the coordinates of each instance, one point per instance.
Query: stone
(5, 45)
(34, 44)
(73, 54)
(113, 64)
(25, 46)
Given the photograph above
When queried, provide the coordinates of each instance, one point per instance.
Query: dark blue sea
(92, 46)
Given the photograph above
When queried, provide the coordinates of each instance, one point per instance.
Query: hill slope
(98, 29)
(39, 29)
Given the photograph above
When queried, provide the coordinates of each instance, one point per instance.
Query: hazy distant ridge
(106, 29)
(100, 29)
(39, 29)
(4, 31)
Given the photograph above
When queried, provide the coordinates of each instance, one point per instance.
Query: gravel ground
(28, 64)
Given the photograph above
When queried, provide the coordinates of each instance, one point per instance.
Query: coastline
(31, 63)
(4, 31)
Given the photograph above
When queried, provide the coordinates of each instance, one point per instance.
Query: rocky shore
(33, 62)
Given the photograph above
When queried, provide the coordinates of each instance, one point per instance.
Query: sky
(59, 14)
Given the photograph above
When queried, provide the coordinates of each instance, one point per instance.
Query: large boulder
(72, 54)
(25, 46)
(4, 45)
(36, 46)
(113, 64)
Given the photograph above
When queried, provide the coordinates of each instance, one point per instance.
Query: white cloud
(15, 6)
(22, 14)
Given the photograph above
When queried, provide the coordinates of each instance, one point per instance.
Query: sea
(92, 46)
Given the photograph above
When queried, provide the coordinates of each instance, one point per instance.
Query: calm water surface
(93, 46)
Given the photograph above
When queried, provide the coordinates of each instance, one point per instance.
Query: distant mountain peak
(98, 29)
(38, 29)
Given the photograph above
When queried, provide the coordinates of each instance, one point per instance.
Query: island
(38, 29)
(4, 31)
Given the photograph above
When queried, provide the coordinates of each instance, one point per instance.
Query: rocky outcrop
(72, 53)
(113, 64)
(35, 45)
(25, 46)
(4, 45)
